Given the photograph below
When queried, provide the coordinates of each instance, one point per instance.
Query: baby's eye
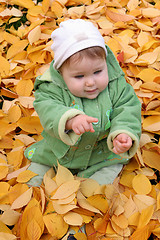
(79, 76)
(98, 71)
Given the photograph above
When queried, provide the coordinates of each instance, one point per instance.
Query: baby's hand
(81, 124)
(122, 143)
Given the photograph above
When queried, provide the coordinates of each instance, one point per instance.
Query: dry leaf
(55, 225)
(73, 219)
(66, 189)
(22, 200)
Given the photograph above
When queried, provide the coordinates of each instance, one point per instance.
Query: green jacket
(117, 109)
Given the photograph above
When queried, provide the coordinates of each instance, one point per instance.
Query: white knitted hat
(73, 36)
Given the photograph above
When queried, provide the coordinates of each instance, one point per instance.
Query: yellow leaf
(82, 201)
(63, 175)
(57, 9)
(55, 225)
(14, 113)
(25, 176)
(4, 228)
(30, 124)
(146, 58)
(150, 12)
(32, 211)
(121, 221)
(134, 219)
(143, 26)
(132, 4)
(141, 184)
(15, 157)
(118, 17)
(148, 74)
(34, 35)
(25, 4)
(151, 158)
(16, 48)
(151, 123)
(151, 86)
(3, 171)
(145, 216)
(80, 236)
(63, 208)
(24, 87)
(88, 187)
(99, 201)
(66, 189)
(158, 201)
(23, 199)
(45, 5)
(4, 189)
(127, 178)
(122, 232)
(16, 191)
(33, 230)
(73, 219)
(35, 11)
(50, 185)
(10, 217)
(67, 200)
(100, 225)
(143, 38)
(4, 66)
(156, 232)
(141, 233)
(7, 236)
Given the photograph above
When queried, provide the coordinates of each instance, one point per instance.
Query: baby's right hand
(81, 124)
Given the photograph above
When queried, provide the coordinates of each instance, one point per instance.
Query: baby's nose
(89, 82)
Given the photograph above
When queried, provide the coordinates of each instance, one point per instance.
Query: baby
(91, 116)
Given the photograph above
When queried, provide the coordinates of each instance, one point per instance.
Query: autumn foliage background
(130, 207)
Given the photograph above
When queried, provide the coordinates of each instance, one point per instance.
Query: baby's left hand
(122, 143)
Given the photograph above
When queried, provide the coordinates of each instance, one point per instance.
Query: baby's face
(86, 78)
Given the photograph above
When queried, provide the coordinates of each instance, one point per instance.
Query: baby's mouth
(91, 91)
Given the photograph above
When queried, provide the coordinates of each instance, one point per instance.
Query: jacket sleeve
(126, 114)
(53, 114)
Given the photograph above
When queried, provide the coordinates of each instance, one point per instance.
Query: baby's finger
(91, 119)
(91, 128)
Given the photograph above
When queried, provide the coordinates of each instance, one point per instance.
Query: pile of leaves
(130, 207)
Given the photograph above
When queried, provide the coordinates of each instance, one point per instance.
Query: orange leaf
(33, 230)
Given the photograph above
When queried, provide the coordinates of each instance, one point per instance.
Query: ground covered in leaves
(130, 207)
